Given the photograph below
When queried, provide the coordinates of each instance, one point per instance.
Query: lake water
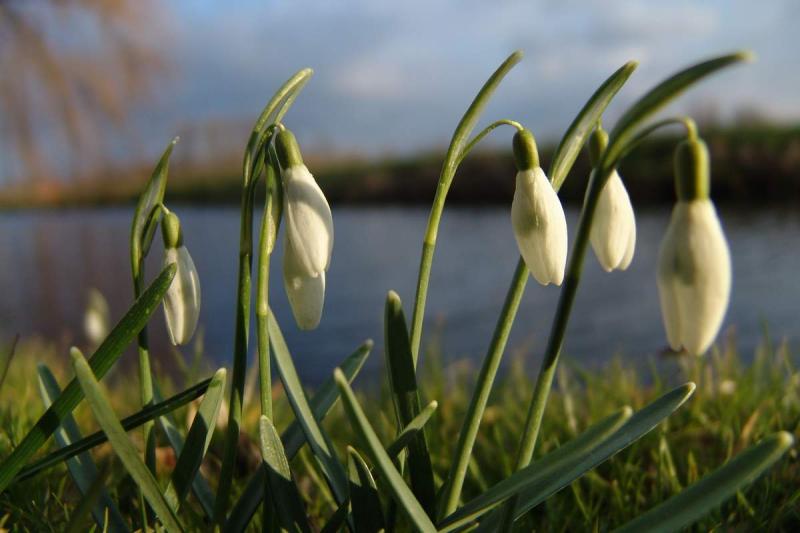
(48, 260)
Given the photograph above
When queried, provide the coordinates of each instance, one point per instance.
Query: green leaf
(7, 361)
(657, 98)
(169, 427)
(319, 442)
(366, 504)
(575, 137)
(286, 500)
(380, 459)
(293, 439)
(89, 502)
(101, 362)
(81, 467)
(335, 523)
(135, 420)
(537, 483)
(705, 495)
(570, 450)
(122, 445)
(146, 216)
(411, 430)
(405, 395)
(283, 97)
(197, 442)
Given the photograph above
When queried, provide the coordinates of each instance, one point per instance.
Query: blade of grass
(364, 499)
(293, 439)
(319, 442)
(405, 396)
(286, 500)
(534, 484)
(129, 423)
(7, 362)
(101, 362)
(81, 467)
(89, 502)
(703, 496)
(197, 441)
(383, 463)
(123, 447)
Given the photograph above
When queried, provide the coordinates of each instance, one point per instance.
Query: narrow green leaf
(405, 395)
(293, 439)
(411, 430)
(197, 442)
(657, 98)
(319, 442)
(129, 423)
(575, 137)
(101, 362)
(146, 216)
(286, 500)
(383, 463)
(537, 484)
(82, 468)
(364, 499)
(123, 447)
(570, 450)
(705, 495)
(336, 522)
(166, 422)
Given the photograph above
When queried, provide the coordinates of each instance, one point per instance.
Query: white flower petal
(540, 227)
(613, 234)
(309, 224)
(695, 273)
(182, 299)
(306, 293)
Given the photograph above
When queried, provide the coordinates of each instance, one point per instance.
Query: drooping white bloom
(96, 319)
(613, 234)
(540, 227)
(182, 299)
(306, 293)
(309, 224)
(694, 276)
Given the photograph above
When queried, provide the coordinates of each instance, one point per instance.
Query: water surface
(48, 260)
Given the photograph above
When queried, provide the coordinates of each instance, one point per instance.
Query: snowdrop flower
(537, 217)
(309, 234)
(96, 319)
(694, 265)
(613, 233)
(182, 300)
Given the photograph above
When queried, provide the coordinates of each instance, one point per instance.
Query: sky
(395, 77)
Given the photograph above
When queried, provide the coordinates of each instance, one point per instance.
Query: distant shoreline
(750, 166)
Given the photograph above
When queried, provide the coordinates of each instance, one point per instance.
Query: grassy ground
(736, 404)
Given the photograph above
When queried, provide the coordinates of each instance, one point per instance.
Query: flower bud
(540, 227)
(96, 319)
(694, 265)
(182, 299)
(309, 234)
(306, 293)
(613, 233)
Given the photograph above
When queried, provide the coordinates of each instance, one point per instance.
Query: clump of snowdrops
(393, 486)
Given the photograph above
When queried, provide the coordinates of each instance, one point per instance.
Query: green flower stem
(484, 382)
(269, 230)
(486, 131)
(620, 139)
(452, 158)
(283, 98)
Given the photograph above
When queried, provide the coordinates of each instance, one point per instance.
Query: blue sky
(395, 77)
